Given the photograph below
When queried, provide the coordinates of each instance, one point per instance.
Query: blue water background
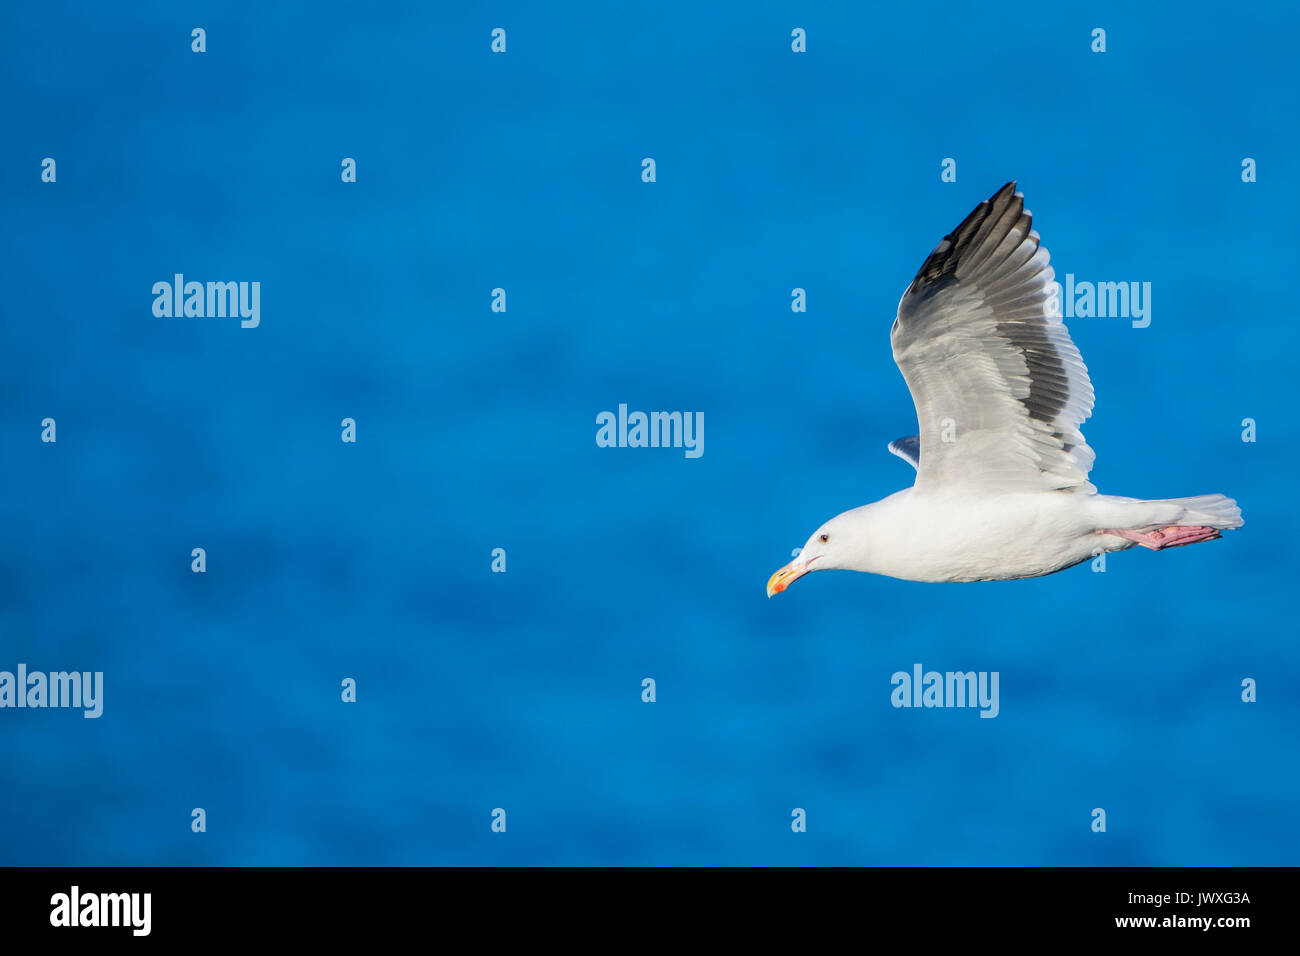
(476, 430)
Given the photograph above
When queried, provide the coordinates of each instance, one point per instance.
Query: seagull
(1001, 489)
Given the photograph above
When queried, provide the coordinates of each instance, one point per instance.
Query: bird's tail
(1211, 511)
(1167, 522)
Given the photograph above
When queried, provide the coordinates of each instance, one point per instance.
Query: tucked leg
(1174, 536)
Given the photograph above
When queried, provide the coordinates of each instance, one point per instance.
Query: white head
(839, 543)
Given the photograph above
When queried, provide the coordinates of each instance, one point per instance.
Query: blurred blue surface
(476, 431)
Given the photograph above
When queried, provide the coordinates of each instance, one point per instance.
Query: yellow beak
(786, 576)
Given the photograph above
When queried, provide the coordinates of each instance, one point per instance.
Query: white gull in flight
(1001, 488)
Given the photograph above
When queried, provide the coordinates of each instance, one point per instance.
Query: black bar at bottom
(336, 906)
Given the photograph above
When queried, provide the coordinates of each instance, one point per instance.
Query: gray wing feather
(999, 388)
(908, 449)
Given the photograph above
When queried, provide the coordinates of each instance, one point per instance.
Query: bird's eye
(825, 537)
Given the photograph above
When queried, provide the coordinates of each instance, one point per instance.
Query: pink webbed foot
(1175, 536)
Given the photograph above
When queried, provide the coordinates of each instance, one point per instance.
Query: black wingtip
(941, 265)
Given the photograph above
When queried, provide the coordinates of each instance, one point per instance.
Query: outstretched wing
(999, 388)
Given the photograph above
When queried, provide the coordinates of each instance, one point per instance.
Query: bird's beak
(786, 576)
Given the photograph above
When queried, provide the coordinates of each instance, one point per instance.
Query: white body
(956, 537)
